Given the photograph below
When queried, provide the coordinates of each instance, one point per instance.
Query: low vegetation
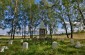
(42, 48)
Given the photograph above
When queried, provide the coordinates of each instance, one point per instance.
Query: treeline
(18, 14)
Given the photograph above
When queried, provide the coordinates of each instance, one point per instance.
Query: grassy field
(76, 36)
(44, 48)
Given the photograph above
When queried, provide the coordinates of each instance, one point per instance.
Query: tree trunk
(64, 24)
(51, 34)
(15, 17)
(11, 34)
(14, 32)
(66, 30)
(31, 35)
(31, 32)
(71, 26)
(81, 13)
(24, 31)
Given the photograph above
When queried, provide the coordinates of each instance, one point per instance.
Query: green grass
(42, 48)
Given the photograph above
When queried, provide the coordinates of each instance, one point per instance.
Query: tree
(48, 16)
(80, 11)
(57, 5)
(2, 8)
(68, 5)
(31, 7)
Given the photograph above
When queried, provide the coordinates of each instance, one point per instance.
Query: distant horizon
(58, 31)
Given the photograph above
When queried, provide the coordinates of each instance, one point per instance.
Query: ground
(44, 48)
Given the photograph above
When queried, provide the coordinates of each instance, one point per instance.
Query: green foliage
(43, 48)
(66, 3)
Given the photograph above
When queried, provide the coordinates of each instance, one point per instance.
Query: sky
(3, 32)
(37, 1)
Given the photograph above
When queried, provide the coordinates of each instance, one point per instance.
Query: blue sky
(37, 1)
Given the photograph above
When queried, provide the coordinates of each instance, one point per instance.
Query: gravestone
(10, 42)
(1, 49)
(5, 47)
(72, 42)
(25, 45)
(78, 45)
(54, 45)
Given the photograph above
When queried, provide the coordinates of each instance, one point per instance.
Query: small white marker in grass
(25, 45)
(54, 45)
(72, 42)
(78, 45)
(10, 42)
(1, 49)
(5, 47)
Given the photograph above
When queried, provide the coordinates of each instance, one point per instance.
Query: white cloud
(3, 32)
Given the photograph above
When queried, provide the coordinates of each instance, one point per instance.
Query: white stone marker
(11, 42)
(21, 40)
(1, 49)
(54, 45)
(5, 47)
(78, 45)
(25, 45)
(72, 42)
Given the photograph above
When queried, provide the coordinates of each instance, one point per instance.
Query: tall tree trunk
(31, 32)
(71, 26)
(15, 17)
(11, 34)
(80, 11)
(24, 31)
(14, 32)
(51, 34)
(64, 24)
(66, 29)
(31, 23)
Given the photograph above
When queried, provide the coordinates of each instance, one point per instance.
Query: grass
(42, 48)
(37, 47)
(76, 36)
